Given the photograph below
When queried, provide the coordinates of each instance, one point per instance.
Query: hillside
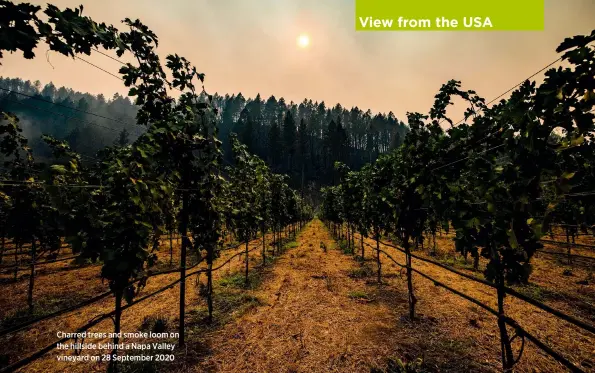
(302, 140)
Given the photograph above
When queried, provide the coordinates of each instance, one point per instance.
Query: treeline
(305, 140)
(62, 113)
(302, 140)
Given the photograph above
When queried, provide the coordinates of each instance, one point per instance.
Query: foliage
(499, 177)
(116, 210)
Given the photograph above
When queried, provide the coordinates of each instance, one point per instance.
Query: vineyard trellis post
(247, 263)
(32, 273)
(184, 217)
(411, 296)
(362, 245)
(378, 262)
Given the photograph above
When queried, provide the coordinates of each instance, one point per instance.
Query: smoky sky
(249, 46)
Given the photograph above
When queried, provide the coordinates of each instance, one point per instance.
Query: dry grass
(59, 289)
(567, 287)
(315, 318)
(316, 309)
(549, 285)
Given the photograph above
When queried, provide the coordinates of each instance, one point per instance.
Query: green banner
(449, 15)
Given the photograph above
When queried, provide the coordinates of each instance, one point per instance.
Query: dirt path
(314, 317)
(322, 311)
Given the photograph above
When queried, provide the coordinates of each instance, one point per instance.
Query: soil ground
(315, 308)
(324, 312)
(60, 288)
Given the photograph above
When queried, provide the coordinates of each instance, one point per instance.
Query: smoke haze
(250, 47)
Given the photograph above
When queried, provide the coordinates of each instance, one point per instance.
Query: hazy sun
(303, 41)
